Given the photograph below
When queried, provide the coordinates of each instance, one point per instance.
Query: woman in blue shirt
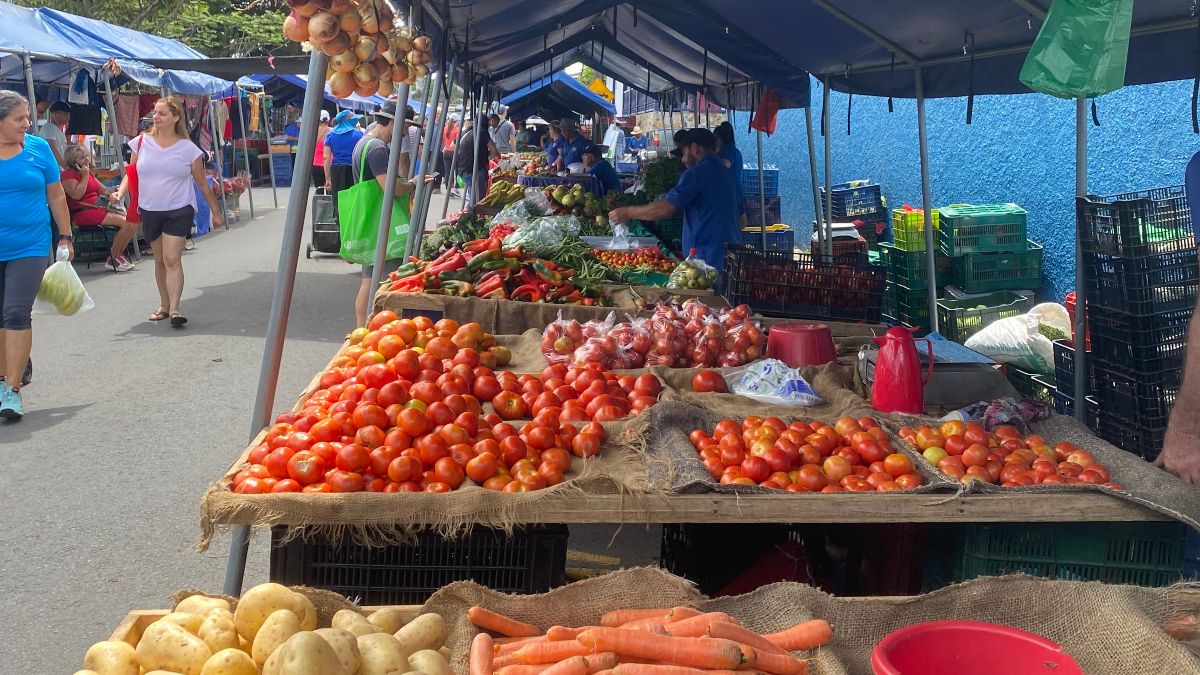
(601, 169)
(28, 183)
(731, 158)
(339, 151)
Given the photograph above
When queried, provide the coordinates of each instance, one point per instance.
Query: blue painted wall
(1018, 148)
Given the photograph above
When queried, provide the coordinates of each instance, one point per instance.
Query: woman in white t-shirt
(168, 164)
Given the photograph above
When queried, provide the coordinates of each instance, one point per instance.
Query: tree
(587, 75)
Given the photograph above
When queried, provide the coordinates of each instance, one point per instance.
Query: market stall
(554, 98)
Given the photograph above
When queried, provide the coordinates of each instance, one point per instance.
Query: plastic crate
(1064, 404)
(777, 240)
(1141, 554)
(853, 199)
(774, 210)
(797, 284)
(1145, 398)
(532, 560)
(843, 245)
(986, 272)
(908, 229)
(988, 228)
(1139, 344)
(909, 269)
(1142, 439)
(1064, 367)
(1031, 385)
(1069, 303)
(907, 306)
(1136, 224)
(1145, 285)
(750, 180)
(960, 319)
(874, 230)
(282, 163)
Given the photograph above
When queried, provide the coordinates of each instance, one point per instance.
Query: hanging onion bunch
(369, 54)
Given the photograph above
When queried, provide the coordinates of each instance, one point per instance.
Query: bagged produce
(1024, 341)
(772, 381)
(693, 273)
(561, 338)
(61, 291)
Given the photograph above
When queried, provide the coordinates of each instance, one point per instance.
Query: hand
(70, 248)
(218, 218)
(328, 184)
(1180, 456)
(619, 215)
(116, 196)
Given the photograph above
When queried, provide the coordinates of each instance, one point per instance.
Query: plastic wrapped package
(772, 381)
(693, 273)
(61, 291)
(562, 337)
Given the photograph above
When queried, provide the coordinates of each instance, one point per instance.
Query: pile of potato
(273, 631)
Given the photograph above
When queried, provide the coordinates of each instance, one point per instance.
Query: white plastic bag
(61, 291)
(771, 381)
(1017, 341)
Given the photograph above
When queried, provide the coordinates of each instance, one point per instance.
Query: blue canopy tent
(554, 98)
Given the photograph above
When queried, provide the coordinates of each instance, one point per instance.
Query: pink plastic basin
(801, 344)
(969, 648)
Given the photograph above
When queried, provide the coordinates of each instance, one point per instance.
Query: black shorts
(176, 222)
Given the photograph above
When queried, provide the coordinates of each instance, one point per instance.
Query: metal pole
(468, 114)
(433, 147)
(389, 193)
(424, 192)
(812, 167)
(245, 147)
(281, 303)
(475, 165)
(762, 195)
(217, 158)
(412, 152)
(451, 179)
(112, 123)
(826, 240)
(927, 200)
(27, 64)
(1081, 168)
(266, 120)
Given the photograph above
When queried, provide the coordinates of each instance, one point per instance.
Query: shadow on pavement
(35, 420)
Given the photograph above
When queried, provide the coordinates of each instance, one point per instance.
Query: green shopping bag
(1081, 50)
(360, 207)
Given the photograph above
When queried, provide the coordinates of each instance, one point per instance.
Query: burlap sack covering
(1109, 630)
(326, 602)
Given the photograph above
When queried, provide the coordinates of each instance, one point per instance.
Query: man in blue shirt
(572, 144)
(601, 169)
(704, 193)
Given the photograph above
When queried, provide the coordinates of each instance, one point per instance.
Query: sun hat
(344, 122)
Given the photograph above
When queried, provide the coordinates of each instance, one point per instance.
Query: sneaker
(454, 194)
(124, 264)
(189, 245)
(10, 404)
(116, 265)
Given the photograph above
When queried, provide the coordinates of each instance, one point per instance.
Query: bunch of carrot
(677, 641)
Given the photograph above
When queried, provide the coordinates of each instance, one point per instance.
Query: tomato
(558, 458)
(453, 434)
(708, 381)
(277, 462)
(298, 441)
(482, 467)
(432, 448)
(512, 449)
(856, 484)
(1083, 458)
(404, 469)
(370, 437)
(837, 467)
(509, 406)
(306, 467)
(851, 456)
(286, 485)
(975, 434)
(870, 451)
(585, 445)
(366, 415)
(412, 422)
(846, 426)
(648, 384)
(353, 457)
(448, 472)
(540, 437)
(346, 481)
(381, 458)
(930, 438)
(251, 486)
(609, 413)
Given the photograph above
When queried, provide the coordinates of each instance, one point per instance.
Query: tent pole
(266, 120)
(826, 241)
(478, 137)
(116, 146)
(468, 114)
(812, 166)
(433, 148)
(217, 158)
(762, 195)
(926, 200)
(384, 232)
(451, 178)
(281, 302)
(27, 64)
(1081, 169)
(245, 148)
(421, 117)
(424, 191)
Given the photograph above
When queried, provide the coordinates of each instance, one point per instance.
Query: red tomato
(585, 444)
(432, 448)
(353, 458)
(482, 467)
(346, 481)
(277, 462)
(648, 384)
(707, 381)
(404, 469)
(412, 422)
(871, 452)
(837, 467)
(448, 472)
(381, 459)
(286, 485)
(509, 405)
(306, 467)
(251, 486)
(540, 437)
(512, 449)
(370, 437)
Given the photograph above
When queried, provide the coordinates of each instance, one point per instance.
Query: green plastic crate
(908, 229)
(646, 278)
(909, 306)
(960, 319)
(1141, 554)
(987, 272)
(986, 228)
(1032, 385)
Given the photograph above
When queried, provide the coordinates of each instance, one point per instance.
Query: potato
(230, 662)
(430, 662)
(201, 604)
(167, 646)
(427, 631)
(244, 644)
(279, 626)
(350, 620)
(388, 619)
(308, 613)
(382, 655)
(218, 631)
(258, 603)
(189, 622)
(111, 658)
(345, 644)
(162, 672)
(305, 653)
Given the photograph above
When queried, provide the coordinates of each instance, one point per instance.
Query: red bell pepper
(527, 293)
(455, 262)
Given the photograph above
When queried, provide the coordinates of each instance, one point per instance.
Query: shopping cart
(325, 236)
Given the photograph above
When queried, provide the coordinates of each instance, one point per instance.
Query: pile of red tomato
(966, 452)
(400, 411)
(850, 456)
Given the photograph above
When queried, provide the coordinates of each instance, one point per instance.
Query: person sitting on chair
(83, 199)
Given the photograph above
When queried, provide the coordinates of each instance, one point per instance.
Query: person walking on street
(466, 157)
(29, 180)
(504, 135)
(449, 137)
(339, 146)
(168, 165)
(318, 163)
(83, 200)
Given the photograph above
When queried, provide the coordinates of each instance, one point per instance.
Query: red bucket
(969, 648)
(801, 344)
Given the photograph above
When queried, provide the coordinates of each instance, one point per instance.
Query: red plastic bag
(767, 112)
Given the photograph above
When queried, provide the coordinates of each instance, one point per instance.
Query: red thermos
(898, 385)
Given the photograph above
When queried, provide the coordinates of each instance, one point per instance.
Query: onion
(419, 71)
(295, 28)
(422, 43)
(365, 72)
(345, 62)
(385, 12)
(351, 20)
(339, 7)
(426, 58)
(306, 10)
(386, 88)
(402, 44)
(323, 26)
(341, 85)
(365, 49)
(385, 25)
(370, 20)
(414, 57)
(322, 4)
(340, 44)
(399, 72)
(367, 88)
(381, 66)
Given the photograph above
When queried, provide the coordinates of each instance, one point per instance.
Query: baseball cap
(60, 106)
(684, 137)
(388, 110)
(593, 149)
(567, 123)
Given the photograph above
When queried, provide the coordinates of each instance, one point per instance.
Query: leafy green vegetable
(660, 175)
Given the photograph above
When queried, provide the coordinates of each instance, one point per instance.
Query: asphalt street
(128, 422)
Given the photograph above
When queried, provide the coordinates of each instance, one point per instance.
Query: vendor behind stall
(572, 144)
(552, 144)
(704, 193)
(600, 168)
(637, 142)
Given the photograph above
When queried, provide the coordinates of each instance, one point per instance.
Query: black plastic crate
(1143, 398)
(854, 200)
(1064, 367)
(1146, 285)
(1064, 404)
(1139, 344)
(532, 560)
(1136, 224)
(1142, 439)
(798, 284)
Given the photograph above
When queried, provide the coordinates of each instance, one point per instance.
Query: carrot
(729, 631)
(709, 653)
(480, 662)
(498, 623)
(575, 665)
(603, 672)
(697, 625)
(681, 613)
(601, 661)
(617, 617)
(652, 625)
(805, 635)
(559, 633)
(551, 652)
(776, 664)
(667, 669)
(510, 645)
(500, 661)
(522, 670)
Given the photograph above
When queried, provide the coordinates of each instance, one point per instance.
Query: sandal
(177, 320)
(159, 315)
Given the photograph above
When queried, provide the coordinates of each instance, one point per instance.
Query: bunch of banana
(503, 193)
